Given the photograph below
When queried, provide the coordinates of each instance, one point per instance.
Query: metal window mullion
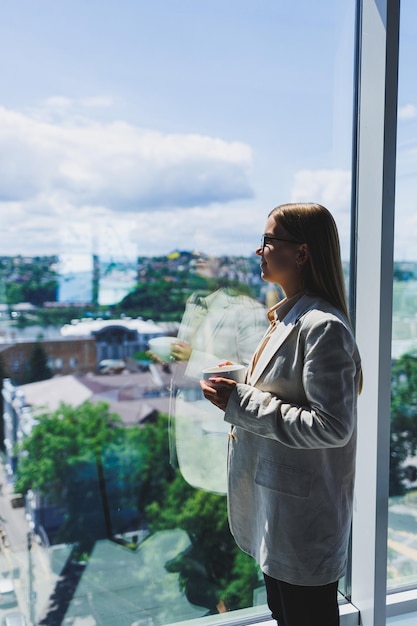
(374, 193)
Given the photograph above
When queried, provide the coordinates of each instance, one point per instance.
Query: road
(402, 543)
(29, 570)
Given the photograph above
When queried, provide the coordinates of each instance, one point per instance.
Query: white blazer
(292, 447)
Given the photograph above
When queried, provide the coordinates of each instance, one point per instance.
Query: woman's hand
(181, 351)
(218, 390)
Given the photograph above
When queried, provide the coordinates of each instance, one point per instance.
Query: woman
(293, 434)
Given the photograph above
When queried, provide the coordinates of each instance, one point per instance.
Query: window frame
(373, 208)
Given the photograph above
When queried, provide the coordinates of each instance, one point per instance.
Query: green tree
(84, 460)
(213, 571)
(31, 280)
(59, 440)
(164, 294)
(38, 365)
(14, 293)
(37, 291)
(160, 299)
(3, 375)
(403, 418)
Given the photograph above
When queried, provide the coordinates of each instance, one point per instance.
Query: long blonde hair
(314, 225)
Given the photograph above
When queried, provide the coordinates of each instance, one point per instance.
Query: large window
(143, 144)
(146, 143)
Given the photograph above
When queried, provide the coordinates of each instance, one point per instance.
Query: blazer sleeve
(326, 417)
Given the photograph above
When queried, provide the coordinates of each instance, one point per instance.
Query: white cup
(161, 346)
(234, 372)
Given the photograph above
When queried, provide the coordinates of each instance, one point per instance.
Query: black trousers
(294, 605)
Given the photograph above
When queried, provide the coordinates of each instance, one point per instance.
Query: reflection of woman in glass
(293, 439)
(223, 325)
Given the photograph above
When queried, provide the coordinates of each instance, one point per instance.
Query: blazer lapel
(279, 335)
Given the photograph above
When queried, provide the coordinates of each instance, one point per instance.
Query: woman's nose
(259, 251)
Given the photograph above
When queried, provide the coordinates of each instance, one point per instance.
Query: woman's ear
(303, 254)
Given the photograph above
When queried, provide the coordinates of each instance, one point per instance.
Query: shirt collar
(280, 310)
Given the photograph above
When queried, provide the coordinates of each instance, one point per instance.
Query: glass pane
(143, 144)
(402, 536)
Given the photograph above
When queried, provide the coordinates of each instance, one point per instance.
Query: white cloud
(64, 104)
(332, 189)
(59, 102)
(328, 187)
(96, 102)
(116, 165)
(405, 235)
(73, 184)
(220, 229)
(405, 202)
(407, 112)
(234, 229)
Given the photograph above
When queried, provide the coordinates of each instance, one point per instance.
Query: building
(115, 339)
(65, 356)
(81, 348)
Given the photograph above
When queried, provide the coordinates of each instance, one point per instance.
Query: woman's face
(281, 260)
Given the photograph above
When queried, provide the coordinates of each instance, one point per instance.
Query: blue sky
(135, 127)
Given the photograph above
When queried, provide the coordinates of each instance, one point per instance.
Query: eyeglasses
(267, 239)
